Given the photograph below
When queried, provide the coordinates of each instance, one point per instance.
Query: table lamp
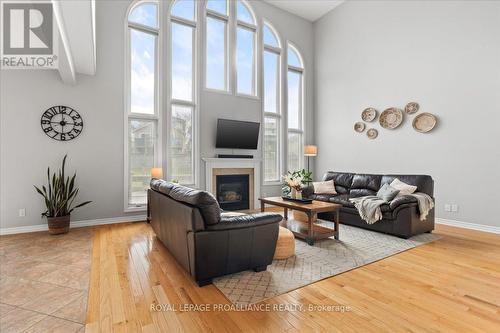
(157, 173)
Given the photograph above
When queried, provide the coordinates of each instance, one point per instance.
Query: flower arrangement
(293, 181)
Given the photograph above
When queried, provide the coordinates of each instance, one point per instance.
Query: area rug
(356, 247)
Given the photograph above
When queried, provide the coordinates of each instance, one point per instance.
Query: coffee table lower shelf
(301, 230)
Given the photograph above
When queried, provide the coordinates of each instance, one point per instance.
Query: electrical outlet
(447, 208)
(22, 212)
(454, 208)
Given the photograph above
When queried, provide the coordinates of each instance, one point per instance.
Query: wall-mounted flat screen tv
(237, 134)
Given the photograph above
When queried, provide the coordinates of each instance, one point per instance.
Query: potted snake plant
(59, 196)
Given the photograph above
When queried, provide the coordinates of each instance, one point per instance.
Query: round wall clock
(62, 123)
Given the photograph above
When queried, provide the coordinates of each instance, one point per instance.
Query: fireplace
(233, 192)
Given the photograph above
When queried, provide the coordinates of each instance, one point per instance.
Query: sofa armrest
(245, 221)
(307, 191)
(402, 199)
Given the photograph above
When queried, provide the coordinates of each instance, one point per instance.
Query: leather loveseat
(400, 217)
(204, 242)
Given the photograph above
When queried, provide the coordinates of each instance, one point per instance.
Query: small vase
(296, 194)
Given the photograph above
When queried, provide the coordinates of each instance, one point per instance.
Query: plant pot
(58, 224)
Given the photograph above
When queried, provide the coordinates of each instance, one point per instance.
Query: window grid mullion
(143, 28)
(216, 15)
(180, 20)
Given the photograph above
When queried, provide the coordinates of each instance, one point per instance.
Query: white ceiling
(309, 9)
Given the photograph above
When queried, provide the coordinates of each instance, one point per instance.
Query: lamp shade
(310, 150)
(157, 173)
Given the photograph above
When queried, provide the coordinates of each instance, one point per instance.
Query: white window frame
(195, 95)
(254, 29)
(300, 130)
(275, 115)
(227, 21)
(156, 117)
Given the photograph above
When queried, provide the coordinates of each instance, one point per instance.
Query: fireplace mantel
(234, 163)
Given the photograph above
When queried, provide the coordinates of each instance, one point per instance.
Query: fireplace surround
(234, 166)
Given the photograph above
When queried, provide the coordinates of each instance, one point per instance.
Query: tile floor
(44, 281)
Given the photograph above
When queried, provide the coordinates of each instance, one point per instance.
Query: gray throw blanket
(369, 206)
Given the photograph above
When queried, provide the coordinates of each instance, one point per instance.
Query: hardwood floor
(451, 285)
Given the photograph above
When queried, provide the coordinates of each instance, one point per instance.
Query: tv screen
(237, 134)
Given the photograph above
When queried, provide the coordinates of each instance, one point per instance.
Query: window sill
(248, 96)
(272, 183)
(135, 209)
(218, 91)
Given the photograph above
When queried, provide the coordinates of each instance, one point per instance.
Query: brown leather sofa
(203, 241)
(400, 217)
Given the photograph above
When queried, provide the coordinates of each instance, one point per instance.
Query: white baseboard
(468, 225)
(75, 224)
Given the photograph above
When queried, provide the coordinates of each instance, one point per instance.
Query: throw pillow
(403, 187)
(327, 187)
(387, 192)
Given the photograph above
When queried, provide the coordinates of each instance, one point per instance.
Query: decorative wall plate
(369, 114)
(412, 108)
(359, 127)
(424, 122)
(372, 133)
(391, 118)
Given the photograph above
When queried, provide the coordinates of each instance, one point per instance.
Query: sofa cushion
(246, 221)
(342, 199)
(361, 192)
(325, 187)
(204, 201)
(321, 197)
(387, 192)
(162, 186)
(402, 199)
(402, 187)
(424, 183)
(342, 180)
(366, 182)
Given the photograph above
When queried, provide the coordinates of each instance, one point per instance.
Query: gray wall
(97, 154)
(444, 55)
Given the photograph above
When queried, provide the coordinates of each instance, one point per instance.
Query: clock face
(62, 123)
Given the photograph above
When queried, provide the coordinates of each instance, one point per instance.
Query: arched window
(246, 31)
(295, 96)
(216, 41)
(181, 120)
(271, 105)
(141, 123)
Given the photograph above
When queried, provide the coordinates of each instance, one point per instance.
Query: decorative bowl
(372, 133)
(369, 114)
(359, 127)
(424, 122)
(391, 118)
(412, 108)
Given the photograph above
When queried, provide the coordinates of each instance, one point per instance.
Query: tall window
(271, 104)
(180, 154)
(216, 39)
(246, 29)
(142, 107)
(295, 92)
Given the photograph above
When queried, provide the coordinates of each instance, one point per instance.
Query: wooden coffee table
(308, 231)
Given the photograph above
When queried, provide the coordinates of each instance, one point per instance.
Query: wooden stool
(285, 246)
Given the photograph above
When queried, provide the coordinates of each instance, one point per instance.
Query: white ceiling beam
(66, 66)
